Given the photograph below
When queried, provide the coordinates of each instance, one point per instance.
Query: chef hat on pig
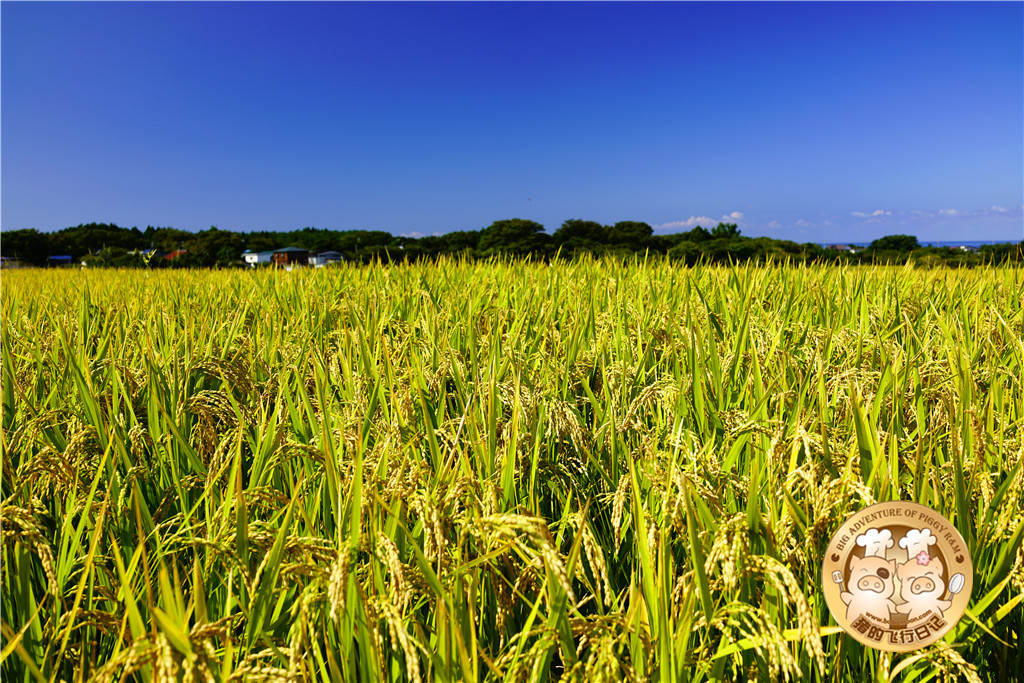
(917, 541)
(875, 542)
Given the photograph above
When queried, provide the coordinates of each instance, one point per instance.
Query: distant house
(8, 262)
(62, 260)
(838, 247)
(290, 256)
(256, 258)
(175, 254)
(324, 257)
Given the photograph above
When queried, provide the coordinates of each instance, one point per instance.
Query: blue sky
(805, 121)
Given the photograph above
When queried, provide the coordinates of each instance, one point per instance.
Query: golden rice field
(588, 471)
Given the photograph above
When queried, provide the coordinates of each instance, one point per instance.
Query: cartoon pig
(871, 585)
(921, 587)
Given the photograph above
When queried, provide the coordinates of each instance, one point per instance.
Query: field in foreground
(481, 471)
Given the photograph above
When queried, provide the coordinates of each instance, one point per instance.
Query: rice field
(586, 471)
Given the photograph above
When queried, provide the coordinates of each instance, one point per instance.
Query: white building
(324, 257)
(256, 258)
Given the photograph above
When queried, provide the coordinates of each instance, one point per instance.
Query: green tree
(215, 247)
(358, 243)
(900, 243)
(165, 239)
(698, 234)
(576, 230)
(29, 246)
(513, 236)
(633, 234)
(726, 230)
(460, 240)
(89, 237)
(687, 252)
(262, 242)
(1002, 253)
(454, 242)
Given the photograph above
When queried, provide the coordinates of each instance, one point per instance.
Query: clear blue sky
(805, 121)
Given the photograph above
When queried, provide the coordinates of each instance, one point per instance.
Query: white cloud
(859, 214)
(692, 221)
(773, 224)
(877, 213)
(703, 221)
(999, 213)
(880, 212)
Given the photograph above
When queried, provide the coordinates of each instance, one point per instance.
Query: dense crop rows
(468, 471)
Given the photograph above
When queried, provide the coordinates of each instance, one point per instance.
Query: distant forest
(108, 245)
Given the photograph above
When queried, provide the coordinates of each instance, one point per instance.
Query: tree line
(108, 245)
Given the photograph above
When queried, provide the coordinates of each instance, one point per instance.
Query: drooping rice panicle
(591, 470)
